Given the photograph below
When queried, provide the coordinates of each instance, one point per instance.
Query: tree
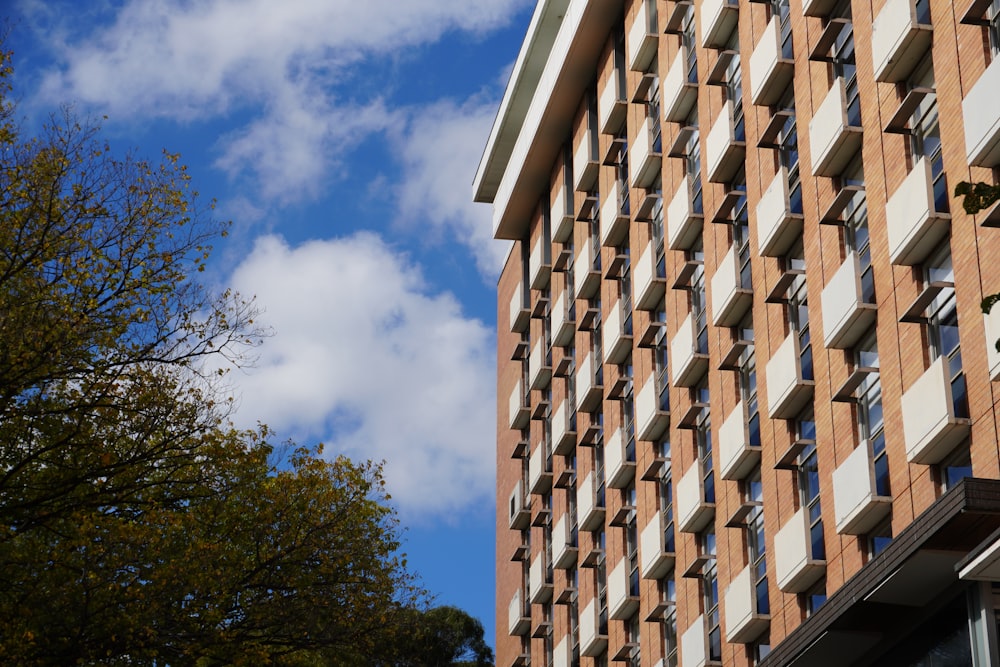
(137, 525)
(978, 197)
(441, 637)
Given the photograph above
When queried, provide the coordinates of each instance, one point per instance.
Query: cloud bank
(366, 360)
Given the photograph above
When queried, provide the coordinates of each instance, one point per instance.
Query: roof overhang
(919, 570)
(535, 121)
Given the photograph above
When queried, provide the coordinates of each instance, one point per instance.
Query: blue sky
(341, 138)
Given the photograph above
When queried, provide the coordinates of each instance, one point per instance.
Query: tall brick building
(746, 410)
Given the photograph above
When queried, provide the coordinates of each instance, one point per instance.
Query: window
(842, 64)
(666, 492)
(879, 538)
(734, 89)
(599, 469)
(741, 230)
(942, 326)
(710, 595)
(596, 343)
(625, 290)
(692, 162)
(815, 597)
(668, 594)
(871, 427)
(621, 174)
(660, 361)
(699, 304)
(759, 650)
(993, 16)
(628, 410)
(631, 540)
(703, 438)
(798, 309)
(753, 496)
(809, 492)
(653, 115)
(547, 639)
(632, 640)
(788, 154)
(856, 240)
(956, 467)
(780, 9)
(925, 135)
(572, 577)
(688, 41)
(595, 238)
(748, 392)
(602, 585)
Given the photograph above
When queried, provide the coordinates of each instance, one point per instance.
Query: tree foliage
(440, 637)
(137, 526)
(978, 197)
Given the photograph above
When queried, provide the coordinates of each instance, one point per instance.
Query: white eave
(553, 70)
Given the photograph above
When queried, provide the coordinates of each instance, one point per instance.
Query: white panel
(620, 604)
(736, 456)
(518, 411)
(845, 316)
(694, 644)
(898, 41)
(519, 315)
(586, 281)
(563, 654)
(561, 212)
(642, 40)
(991, 322)
(655, 561)
(679, 96)
(743, 623)
(611, 106)
(914, 228)
(930, 427)
(517, 622)
(539, 479)
(540, 591)
(787, 392)
(540, 267)
(643, 157)
(777, 227)
(717, 18)
(981, 114)
(563, 439)
(563, 551)
(650, 420)
(686, 365)
(539, 370)
(693, 513)
(591, 515)
(683, 224)
(591, 643)
(769, 72)
(585, 165)
(620, 471)
(617, 344)
(730, 301)
(614, 225)
(647, 286)
(795, 568)
(834, 143)
(723, 155)
(856, 507)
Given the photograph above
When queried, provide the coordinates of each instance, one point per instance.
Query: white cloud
(366, 359)
(440, 153)
(202, 59)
